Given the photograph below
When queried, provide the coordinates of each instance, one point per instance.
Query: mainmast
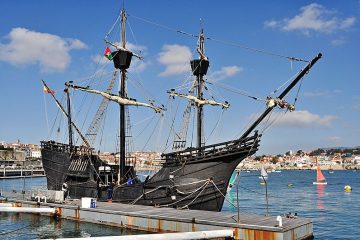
(122, 94)
(199, 68)
(67, 84)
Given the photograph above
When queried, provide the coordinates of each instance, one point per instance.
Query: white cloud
(75, 44)
(333, 139)
(225, 72)
(313, 17)
(99, 59)
(302, 119)
(135, 48)
(50, 51)
(356, 106)
(175, 58)
(337, 42)
(139, 65)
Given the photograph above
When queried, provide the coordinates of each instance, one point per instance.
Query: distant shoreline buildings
(22, 154)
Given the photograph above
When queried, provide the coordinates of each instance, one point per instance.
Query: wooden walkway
(152, 219)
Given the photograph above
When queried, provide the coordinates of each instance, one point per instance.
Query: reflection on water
(333, 211)
(320, 196)
(30, 226)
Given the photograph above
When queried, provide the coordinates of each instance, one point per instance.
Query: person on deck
(130, 181)
(110, 191)
(65, 189)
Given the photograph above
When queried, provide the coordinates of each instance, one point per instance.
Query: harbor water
(335, 212)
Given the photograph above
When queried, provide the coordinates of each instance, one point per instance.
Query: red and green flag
(48, 90)
(107, 53)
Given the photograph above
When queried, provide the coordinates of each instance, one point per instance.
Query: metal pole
(237, 201)
(266, 197)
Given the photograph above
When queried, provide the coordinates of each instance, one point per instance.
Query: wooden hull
(193, 179)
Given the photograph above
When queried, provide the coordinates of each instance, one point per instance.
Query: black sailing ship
(191, 178)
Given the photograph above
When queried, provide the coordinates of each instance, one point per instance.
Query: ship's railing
(249, 144)
(62, 147)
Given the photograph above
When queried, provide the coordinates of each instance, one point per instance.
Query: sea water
(16, 226)
(335, 213)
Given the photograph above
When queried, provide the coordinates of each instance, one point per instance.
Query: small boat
(320, 179)
(232, 181)
(263, 173)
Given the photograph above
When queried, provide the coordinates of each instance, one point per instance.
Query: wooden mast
(67, 85)
(199, 68)
(122, 94)
(200, 108)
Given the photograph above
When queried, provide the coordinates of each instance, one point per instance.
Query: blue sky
(63, 40)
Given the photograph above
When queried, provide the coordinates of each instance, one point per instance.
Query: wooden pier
(161, 220)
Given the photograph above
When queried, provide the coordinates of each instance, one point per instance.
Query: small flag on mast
(48, 90)
(107, 53)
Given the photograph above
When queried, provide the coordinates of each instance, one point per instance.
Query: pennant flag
(107, 53)
(48, 90)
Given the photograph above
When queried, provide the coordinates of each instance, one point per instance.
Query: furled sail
(197, 101)
(118, 99)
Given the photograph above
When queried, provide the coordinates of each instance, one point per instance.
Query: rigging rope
(297, 93)
(113, 26)
(257, 50)
(234, 90)
(243, 46)
(151, 134)
(282, 85)
(163, 26)
(172, 125)
(216, 125)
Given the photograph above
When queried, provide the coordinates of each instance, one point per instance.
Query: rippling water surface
(334, 212)
(27, 226)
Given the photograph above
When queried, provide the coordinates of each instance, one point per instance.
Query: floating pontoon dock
(165, 220)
